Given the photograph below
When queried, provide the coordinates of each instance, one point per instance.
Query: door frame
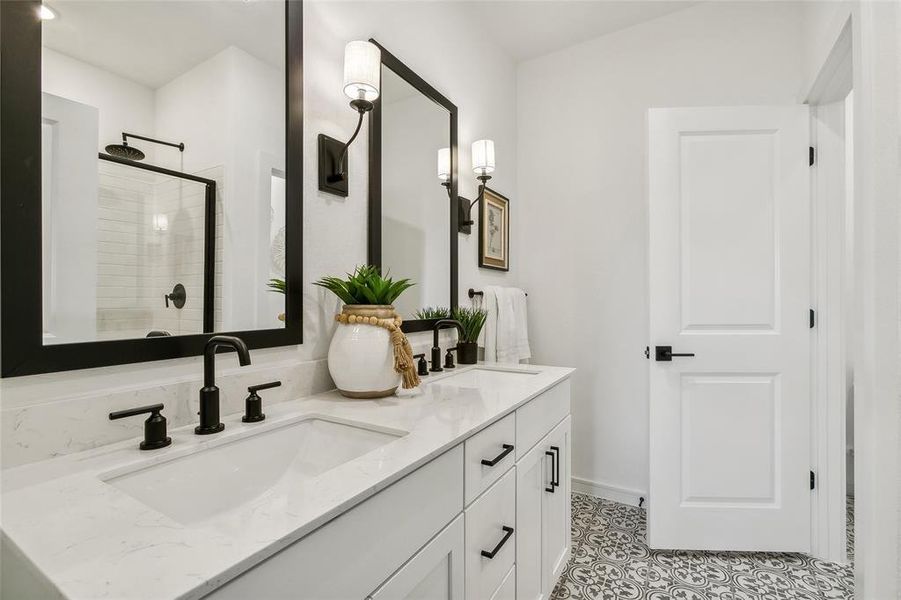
(873, 31)
(829, 342)
(829, 276)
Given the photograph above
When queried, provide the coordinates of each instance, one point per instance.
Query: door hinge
(813, 318)
(647, 352)
(813, 480)
(811, 156)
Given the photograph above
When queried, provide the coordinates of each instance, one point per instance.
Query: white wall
(123, 104)
(439, 42)
(229, 112)
(582, 164)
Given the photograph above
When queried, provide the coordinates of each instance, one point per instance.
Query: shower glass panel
(127, 260)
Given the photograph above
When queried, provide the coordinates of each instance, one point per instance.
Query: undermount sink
(195, 488)
(480, 378)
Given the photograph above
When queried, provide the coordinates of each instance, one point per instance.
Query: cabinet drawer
(537, 417)
(485, 520)
(495, 446)
(507, 590)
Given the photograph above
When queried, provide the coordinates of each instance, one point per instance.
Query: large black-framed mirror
(151, 178)
(412, 216)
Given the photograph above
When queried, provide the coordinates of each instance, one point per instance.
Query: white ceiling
(529, 28)
(152, 42)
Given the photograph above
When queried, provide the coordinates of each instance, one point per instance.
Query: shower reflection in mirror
(162, 165)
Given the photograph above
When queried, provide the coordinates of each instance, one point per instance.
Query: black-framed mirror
(151, 179)
(412, 216)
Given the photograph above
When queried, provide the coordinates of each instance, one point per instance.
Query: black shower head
(123, 150)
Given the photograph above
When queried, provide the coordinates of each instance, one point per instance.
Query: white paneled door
(729, 326)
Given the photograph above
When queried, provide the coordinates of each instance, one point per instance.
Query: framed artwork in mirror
(494, 231)
(135, 219)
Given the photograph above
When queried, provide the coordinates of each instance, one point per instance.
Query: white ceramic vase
(361, 357)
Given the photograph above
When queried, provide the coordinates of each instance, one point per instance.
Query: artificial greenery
(472, 320)
(439, 312)
(365, 286)
(277, 285)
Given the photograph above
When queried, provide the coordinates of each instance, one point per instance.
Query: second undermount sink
(482, 378)
(195, 488)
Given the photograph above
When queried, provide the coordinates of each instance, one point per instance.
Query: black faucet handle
(449, 358)
(154, 427)
(263, 386)
(253, 404)
(422, 367)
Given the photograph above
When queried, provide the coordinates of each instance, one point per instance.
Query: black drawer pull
(508, 448)
(553, 477)
(508, 531)
(556, 480)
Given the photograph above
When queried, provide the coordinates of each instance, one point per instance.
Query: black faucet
(209, 393)
(436, 350)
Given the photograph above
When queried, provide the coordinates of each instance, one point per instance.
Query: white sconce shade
(160, 222)
(362, 70)
(483, 157)
(444, 164)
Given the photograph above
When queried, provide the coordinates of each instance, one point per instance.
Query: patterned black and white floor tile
(849, 528)
(611, 561)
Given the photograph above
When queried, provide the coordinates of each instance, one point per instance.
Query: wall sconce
(482, 166)
(362, 74)
(160, 222)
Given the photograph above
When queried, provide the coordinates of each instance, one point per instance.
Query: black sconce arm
(339, 176)
(466, 204)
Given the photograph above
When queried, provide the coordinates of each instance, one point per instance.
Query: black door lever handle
(666, 354)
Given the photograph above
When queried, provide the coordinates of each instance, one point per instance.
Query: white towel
(489, 331)
(521, 316)
(506, 327)
(505, 336)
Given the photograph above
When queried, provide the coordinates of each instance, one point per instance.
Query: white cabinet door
(555, 509)
(534, 483)
(729, 300)
(543, 509)
(434, 573)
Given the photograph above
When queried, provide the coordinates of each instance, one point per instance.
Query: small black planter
(468, 353)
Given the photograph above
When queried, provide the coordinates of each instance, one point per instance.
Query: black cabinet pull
(553, 467)
(556, 473)
(666, 354)
(507, 449)
(508, 531)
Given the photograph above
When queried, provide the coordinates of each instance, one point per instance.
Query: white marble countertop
(88, 539)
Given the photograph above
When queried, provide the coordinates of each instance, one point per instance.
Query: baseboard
(610, 492)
